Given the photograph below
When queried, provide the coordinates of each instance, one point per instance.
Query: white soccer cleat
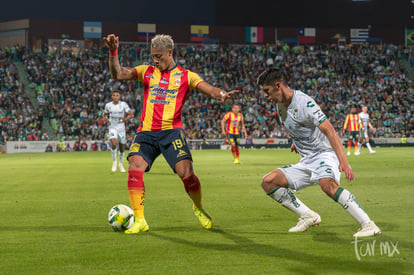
(348, 154)
(372, 152)
(311, 218)
(121, 168)
(368, 230)
(114, 167)
(357, 153)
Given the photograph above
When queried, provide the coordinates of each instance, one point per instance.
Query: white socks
(351, 205)
(286, 197)
(113, 152)
(121, 157)
(369, 147)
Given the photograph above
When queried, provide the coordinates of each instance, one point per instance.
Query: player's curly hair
(162, 41)
(272, 75)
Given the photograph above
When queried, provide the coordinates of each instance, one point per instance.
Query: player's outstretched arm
(328, 130)
(214, 92)
(112, 42)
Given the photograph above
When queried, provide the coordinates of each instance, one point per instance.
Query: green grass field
(54, 208)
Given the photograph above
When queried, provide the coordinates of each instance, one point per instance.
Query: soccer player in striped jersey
(322, 157)
(364, 131)
(230, 127)
(166, 88)
(352, 124)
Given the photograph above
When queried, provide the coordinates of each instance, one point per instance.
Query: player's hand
(293, 149)
(349, 174)
(226, 95)
(112, 42)
(121, 120)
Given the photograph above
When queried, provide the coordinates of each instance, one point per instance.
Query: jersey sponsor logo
(135, 148)
(177, 81)
(177, 74)
(150, 76)
(181, 153)
(164, 81)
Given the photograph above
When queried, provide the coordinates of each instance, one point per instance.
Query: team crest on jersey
(135, 148)
(177, 81)
(295, 113)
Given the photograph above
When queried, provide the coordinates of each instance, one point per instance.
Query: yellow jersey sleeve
(140, 72)
(193, 80)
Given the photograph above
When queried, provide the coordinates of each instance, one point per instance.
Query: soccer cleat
(114, 167)
(372, 152)
(140, 225)
(236, 161)
(368, 230)
(348, 154)
(204, 218)
(311, 218)
(121, 168)
(357, 153)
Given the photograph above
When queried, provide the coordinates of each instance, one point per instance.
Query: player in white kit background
(119, 113)
(364, 134)
(321, 152)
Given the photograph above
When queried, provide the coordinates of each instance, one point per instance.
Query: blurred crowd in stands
(72, 90)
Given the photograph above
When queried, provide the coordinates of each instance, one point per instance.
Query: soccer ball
(121, 217)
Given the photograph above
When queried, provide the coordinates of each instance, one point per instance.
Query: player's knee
(329, 186)
(184, 168)
(270, 181)
(137, 162)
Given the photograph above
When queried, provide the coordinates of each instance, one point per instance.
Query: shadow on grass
(334, 264)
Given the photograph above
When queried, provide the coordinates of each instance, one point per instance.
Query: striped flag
(92, 29)
(199, 33)
(359, 36)
(254, 34)
(306, 35)
(146, 31)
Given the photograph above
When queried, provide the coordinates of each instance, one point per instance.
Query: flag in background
(92, 29)
(146, 31)
(306, 35)
(199, 33)
(409, 37)
(254, 34)
(359, 36)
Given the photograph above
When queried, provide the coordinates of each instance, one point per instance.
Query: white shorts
(117, 134)
(308, 172)
(364, 133)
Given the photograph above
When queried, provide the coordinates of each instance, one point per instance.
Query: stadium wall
(40, 146)
(40, 30)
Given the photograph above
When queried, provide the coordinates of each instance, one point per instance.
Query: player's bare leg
(136, 193)
(184, 169)
(113, 142)
(351, 205)
(275, 184)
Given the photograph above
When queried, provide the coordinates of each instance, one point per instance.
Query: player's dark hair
(116, 91)
(272, 75)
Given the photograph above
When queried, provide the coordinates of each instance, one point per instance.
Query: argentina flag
(92, 29)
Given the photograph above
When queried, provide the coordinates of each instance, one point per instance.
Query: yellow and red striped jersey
(353, 123)
(233, 122)
(164, 96)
